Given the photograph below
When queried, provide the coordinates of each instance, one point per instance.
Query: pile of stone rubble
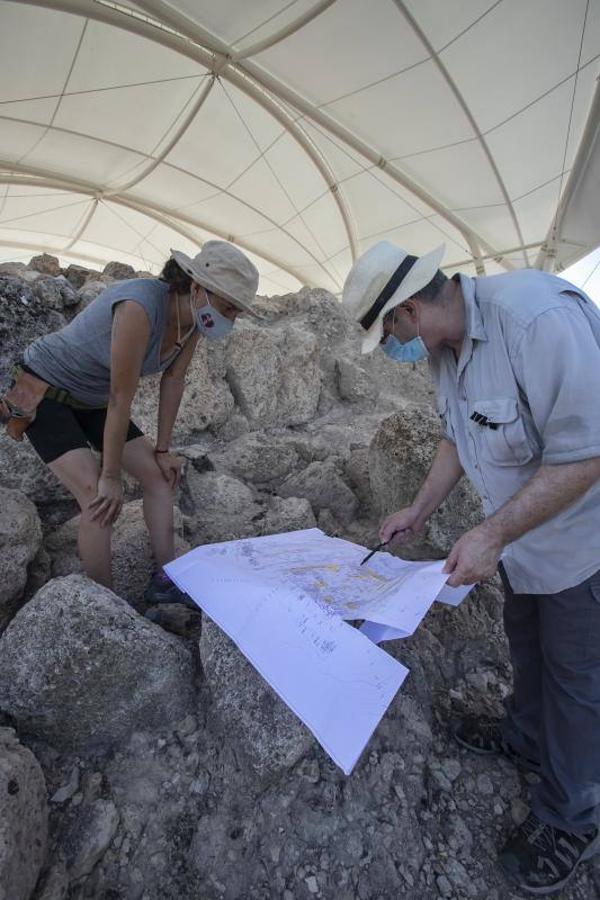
(145, 761)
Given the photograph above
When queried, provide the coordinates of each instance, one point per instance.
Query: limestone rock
(78, 275)
(69, 295)
(24, 819)
(235, 425)
(53, 883)
(247, 710)
(300, 376)
(89, 837)
(119, 271)
(354, 382)
(328, 523)
(22, 469)
(224, 508)
(399, 458)
(356, 473)
(132, 555)
(20, 542)
(289, 514)
(48, 292)
(23, 318)
(274, 374)
(80, 669)
(45, 263)
(39, 572)
(207, 401)
(89, 291)
(322, 485)
(253, 373)
(55, 293)
(336, 436)
(257, 457)
(13, 269)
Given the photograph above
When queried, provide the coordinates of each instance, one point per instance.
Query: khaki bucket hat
(223, 269)
(382, 278)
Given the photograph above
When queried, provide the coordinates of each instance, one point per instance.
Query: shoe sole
(592, 850)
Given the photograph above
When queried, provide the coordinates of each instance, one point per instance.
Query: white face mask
(211, 323)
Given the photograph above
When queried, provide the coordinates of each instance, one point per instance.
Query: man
(515, 359)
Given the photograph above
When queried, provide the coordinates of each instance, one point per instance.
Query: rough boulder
(20, 542)
(399, 458)
(246, 710)
(24, 818)
(80, 668)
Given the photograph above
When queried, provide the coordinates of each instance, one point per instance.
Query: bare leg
(79, 472)
(139, 461)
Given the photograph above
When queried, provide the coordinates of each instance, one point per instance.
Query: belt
(53, 393)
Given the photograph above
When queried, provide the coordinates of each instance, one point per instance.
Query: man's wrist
(161, 450)
(421, 509)
(494, 527)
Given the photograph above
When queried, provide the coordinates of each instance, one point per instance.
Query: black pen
(375, 550)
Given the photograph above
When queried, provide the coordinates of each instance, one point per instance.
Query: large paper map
(283, 599)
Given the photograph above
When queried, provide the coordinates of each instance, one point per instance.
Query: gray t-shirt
(523, 393)
(77, 358)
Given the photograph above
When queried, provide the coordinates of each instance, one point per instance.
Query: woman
(92, 368)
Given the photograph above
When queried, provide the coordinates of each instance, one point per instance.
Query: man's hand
(401, 526)
(474, 556)
(108, 501)
(170, 466)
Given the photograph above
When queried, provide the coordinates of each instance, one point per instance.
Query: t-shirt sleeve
(557, 364)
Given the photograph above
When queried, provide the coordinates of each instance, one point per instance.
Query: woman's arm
(172, 385)
(129, 342)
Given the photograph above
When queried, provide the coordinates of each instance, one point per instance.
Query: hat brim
(417, 278)
(187, 264)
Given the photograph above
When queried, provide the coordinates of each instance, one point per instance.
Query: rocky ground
(146, 760)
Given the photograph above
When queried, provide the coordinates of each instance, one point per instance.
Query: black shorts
(58, 428)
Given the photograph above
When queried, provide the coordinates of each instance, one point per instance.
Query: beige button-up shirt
(526, 391)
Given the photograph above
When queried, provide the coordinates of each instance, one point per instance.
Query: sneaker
(162, 590)
(175, 618)
(540, 859)
(485, 736)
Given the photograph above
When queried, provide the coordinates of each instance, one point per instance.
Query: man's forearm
(171, 392)
(547, 493)
(443, 475)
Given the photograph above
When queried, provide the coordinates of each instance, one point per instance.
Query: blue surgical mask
(212, 324)
(410, 352)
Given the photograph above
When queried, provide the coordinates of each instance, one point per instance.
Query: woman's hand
(108, 501)
(170, 466)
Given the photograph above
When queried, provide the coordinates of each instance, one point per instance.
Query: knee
(154, 483)
(85, 493)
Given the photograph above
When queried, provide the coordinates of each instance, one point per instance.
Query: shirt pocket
(500, 431)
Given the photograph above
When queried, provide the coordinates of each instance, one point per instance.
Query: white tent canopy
(303, 131)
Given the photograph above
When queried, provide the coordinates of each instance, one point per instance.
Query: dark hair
(176, 278)
(431, 290)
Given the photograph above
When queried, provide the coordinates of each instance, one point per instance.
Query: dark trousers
(553, 714)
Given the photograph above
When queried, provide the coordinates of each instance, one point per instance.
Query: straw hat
(365, 296)
(223, 269)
